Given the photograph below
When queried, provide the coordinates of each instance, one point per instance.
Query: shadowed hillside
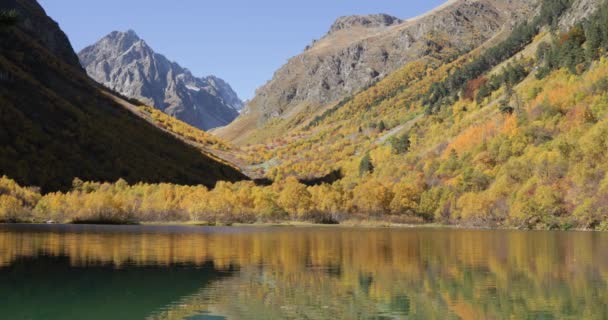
(56, 124)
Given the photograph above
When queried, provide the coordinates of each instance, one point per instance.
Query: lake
(167, 272)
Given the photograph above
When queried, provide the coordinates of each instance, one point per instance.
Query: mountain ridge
(348, 59)
(366, 21)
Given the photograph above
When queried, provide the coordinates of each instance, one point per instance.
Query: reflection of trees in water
(471, 274)
(263, 294)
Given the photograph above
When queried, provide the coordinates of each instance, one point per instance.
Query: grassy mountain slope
(56, 124)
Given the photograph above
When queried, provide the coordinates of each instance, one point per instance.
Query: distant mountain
(125, 63)
(57, 124)
(360, 50)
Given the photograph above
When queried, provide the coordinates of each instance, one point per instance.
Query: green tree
(381, 126)
(366, 165)
(400, 144)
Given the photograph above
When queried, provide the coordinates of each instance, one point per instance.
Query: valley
(507, 134)
(453, 165)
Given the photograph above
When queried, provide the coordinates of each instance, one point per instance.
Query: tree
(222, 202)
(474, 206)
(366, 165)
(381, 126)
(265, 204)
(295, 198)
(11, 209)
(406, 199)
(505, 108)
(400, 144)
(473, 86)
(327, 199)
(372, 198)
(538, 205)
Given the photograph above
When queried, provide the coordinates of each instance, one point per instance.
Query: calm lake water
(133, 272)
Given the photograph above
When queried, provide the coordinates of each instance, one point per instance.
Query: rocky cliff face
(125, 63)
(359, 50)
(580, 10)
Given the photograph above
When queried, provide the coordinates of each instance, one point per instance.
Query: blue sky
(241, 41)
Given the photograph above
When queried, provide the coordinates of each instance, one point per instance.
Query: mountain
(125, 63)
(57, 124)
(513, 133)
(360, 50)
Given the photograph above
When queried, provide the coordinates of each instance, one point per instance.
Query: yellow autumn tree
(11, 209)
(327, 199)
(372, 197)
(294, 198)
(265, 204)
(222, 203)
(406, 199)
(196, 203)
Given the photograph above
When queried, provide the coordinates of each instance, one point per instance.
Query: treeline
(446, 91)
(227, 203)
(371, 197)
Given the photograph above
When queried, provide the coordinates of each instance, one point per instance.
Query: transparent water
(148, 272)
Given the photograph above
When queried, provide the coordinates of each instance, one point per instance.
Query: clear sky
(241, 41)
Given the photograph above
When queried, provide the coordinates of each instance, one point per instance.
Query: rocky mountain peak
(125, 39)
(128, 37)
(367, 21)
(125, 63)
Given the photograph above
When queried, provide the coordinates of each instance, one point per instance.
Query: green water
(144, 272)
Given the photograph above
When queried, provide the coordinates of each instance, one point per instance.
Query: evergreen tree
(366, 165)
(401, 144)
(381, 126)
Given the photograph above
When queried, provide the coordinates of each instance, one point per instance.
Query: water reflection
(314, 273)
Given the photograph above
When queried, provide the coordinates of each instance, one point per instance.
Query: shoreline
(360, 224)
(299, 224)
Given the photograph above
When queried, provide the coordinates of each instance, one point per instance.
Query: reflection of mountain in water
(51, 288)
(320, 273)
